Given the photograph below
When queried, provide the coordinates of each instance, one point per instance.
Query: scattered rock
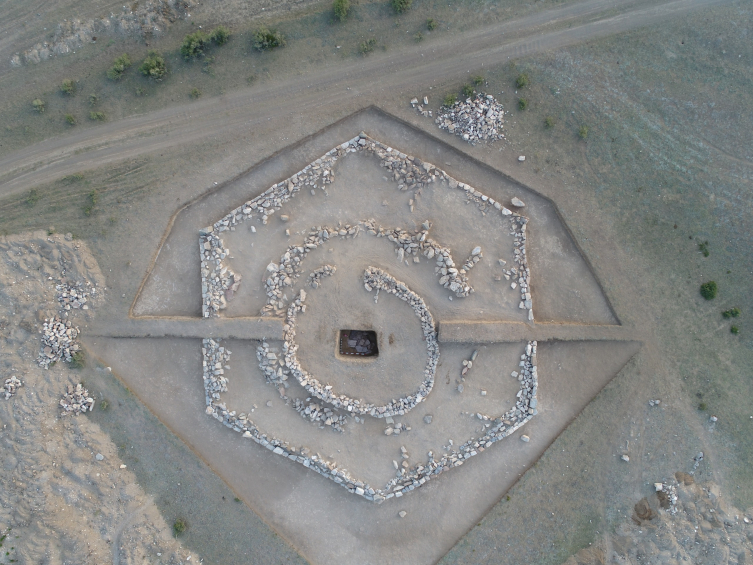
(521, 158)
(402, 513)
(10, 387)
(428, 418)
(517, 202)
(525, 438)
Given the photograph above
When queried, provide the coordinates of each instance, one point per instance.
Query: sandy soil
(65, 495)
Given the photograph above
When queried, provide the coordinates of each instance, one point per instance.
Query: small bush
(237, 499)
(220, 35)
(140, 91)
(119, 66)
(735, 330)
(93, 99)
(195, 93)
(583, 131)
(180, 526)
(550, 122)
(704, 248)
(401, 6)
(78, 360)
(419, 36)
(478, 80)
(708, 290)
(522, 103)
(250, 79)
(70, 119)
(68, 87)
(702, 406)
(522, 81)
(266, 39)
(32, 198)
(97, 116)
(431, 24)
(367, 46)
(38, 105)
(341, 9)
(104, 405)
(194, 44)
(75, 177)
(449, 100)
(154, 66)
(467, 90)
(731, 313)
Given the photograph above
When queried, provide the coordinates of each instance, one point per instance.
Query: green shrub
(32, 198)
(140, 91)
(68, 87)
(702, 406)
(220, 35)
(522, 81)
(449, 100)
(119, 66)
(78, 359)
(195, 93)
(103, 404)
(735, 330)
(266, 39)
(97, 116)
(70, 119)
(341, 9)
(154, 66)
(731, 313)
(478, 80)
(180, 526)
(431, 24)
(704, 248)
(419, 36)
(583, 131)
(550, 122)
(194, 44)
(401, 6)
(522, 103)
(367, 46)
(708, 290)
(467, 90)
(93, 99)
(38, 105)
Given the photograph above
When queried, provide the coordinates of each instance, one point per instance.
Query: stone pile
(76, 400)
(480, 118)
(58, 342)
(74, 296)
(273, 367)
(10, 387)
(319, 413)
(218, 283)
(214, 362)
(667, 493)
(315, 277)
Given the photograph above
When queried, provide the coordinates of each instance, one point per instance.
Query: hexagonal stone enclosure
(268, 296)
(372, 219)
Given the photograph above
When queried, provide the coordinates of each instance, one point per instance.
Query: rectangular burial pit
(358, 343)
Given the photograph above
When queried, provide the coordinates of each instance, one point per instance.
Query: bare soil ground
(667, 145)
(66, 495)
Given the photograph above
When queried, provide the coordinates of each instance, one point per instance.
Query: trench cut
(361, 343)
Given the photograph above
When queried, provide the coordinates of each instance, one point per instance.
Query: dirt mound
(65, 496)
(704, 529)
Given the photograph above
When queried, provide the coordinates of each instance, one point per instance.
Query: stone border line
(218, 282)
(373, 279)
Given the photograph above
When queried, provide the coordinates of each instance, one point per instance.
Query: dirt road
(423, 65)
